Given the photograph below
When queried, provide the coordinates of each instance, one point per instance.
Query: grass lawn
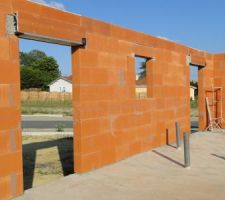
(65, 107)
(194, 108)
(46, 158)
(47, 107)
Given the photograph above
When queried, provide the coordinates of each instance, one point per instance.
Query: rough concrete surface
(154, 175)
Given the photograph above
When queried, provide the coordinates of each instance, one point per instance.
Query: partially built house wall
(110, 124)
(219, 77)
(10, 133)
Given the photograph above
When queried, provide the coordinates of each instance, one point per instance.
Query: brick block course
(110, 124)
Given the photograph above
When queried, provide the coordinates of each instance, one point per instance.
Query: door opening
(46, 106)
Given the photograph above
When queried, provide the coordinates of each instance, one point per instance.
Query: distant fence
(45, 96)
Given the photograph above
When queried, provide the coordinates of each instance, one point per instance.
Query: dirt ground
(46, 158)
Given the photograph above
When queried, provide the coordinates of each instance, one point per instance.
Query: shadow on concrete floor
(168, 158)
(222, 157)
(65, 149)
(167, 140)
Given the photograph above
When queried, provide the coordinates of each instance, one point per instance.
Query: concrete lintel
(188, 59)
(42, 38)
(11, 24)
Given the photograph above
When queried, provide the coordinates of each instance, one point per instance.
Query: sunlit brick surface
(110, 123)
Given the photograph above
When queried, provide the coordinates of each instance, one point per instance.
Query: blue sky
(196, 23)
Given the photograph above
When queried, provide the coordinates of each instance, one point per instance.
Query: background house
(141, 87)
(192, 92)
(62, 84)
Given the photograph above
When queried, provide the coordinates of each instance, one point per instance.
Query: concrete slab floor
(154, 175)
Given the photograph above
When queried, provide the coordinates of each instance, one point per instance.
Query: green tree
(30, 78)
(194, 83)
(142, 72)
(49, 65)
(37, 70)
(27, 59)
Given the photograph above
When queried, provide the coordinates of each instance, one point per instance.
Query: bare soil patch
(46, 158)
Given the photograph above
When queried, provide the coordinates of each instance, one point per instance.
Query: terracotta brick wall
(219, 75)
(205, 81)
(10, 133)
(110, 123)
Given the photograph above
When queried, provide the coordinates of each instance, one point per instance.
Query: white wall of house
(192, 93)
(60, 86)
(141, 91)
